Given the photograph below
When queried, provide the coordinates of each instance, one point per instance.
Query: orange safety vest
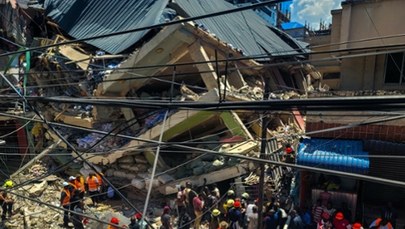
(66, 200)
(79, 186)
(93, 185)
(378, 222)
(100, 180)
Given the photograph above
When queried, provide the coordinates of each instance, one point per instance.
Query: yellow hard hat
(245, 195)
(8, 184)
(230, 203)
(216, 212)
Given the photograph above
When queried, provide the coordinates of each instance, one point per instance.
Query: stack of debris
(46, 190)
(140, 66)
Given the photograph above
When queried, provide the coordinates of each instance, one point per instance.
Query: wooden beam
(209, 75)
(235, 124)
(36, 158)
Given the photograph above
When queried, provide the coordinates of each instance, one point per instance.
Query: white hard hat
(72, 178)
(65, 184)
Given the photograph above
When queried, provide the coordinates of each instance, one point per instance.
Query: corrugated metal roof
(82, 19)
(244, 30)
(342, 155)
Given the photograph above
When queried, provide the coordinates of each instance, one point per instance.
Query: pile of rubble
(44, 191)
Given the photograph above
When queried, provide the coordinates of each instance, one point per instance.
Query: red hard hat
(138, 215)
(288, 150)
(236, 204)
(339, 216)
(356, 226)
(115, 220)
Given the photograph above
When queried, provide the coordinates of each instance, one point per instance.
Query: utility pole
(263, 146)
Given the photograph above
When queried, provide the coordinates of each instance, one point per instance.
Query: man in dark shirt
(165, 218)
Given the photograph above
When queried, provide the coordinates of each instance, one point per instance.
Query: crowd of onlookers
(207, 208)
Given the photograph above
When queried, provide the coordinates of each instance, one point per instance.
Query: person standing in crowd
(357, 226)
(390, 214)
(77, 219)
(185, 221)
(271, 221)
(325, 197)
(381, 223)
(215, 219)
(165, 218)
(180, 201)
(93, 185)
(344, 208)
(281, 214)
(79, 183)
(216, 191)
(253, 218)
(65, 203)
(198, 205)
(329, 209)
(235, 215)
(317, 210)
(189, 196)
(295, 221)
(306, 217)
(134, 223)
(339, 222)
(325, 222)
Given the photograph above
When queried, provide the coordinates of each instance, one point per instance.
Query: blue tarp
(88, 18)
(342, 155)
(291, 25)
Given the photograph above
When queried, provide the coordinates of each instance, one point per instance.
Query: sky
(312, 11)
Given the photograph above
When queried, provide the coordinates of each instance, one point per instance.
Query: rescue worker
(79, 183)
(8, 184)
(235, 215)
(65, 203)
(115, 221)
(72, 183)
(76, 218)
(101, 186)
(215, 220)
(7, 204)
(93, 185)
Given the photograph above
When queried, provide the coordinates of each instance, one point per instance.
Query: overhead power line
(330, 103)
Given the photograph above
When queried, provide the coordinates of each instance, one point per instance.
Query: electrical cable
(60, 208)
(330, 103)
(72, 147)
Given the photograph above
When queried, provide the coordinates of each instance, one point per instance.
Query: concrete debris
(29, 214)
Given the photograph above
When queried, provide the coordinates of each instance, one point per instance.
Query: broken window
(394, 68)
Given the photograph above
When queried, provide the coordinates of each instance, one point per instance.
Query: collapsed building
(223, 58)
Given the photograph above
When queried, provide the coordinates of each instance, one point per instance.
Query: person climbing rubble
(115, 221)
(65, 203)
(7, 204)
(8, 184)
(93, 185)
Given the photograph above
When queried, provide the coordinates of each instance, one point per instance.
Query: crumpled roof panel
(244, 30)
(88, 18)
